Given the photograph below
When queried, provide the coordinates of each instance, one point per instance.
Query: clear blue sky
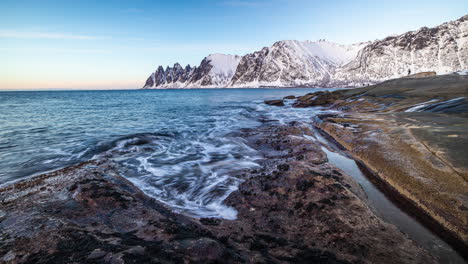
(117, 44)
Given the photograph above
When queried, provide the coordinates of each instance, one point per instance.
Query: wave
(184, 153)
(189, 173)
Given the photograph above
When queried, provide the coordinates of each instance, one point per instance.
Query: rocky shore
(411, 135)
(295, 208)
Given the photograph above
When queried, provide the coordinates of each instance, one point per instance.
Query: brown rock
(317, 99)
(278, 102)
(205, 250)
(422, 75)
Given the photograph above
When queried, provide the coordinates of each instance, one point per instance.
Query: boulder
(276, 102)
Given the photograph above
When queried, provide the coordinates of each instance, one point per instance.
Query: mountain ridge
(293, 63)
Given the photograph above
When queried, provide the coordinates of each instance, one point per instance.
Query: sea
(177, 145)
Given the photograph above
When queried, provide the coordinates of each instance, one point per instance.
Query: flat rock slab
(422, 155)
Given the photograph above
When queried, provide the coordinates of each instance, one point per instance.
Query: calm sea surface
(174, 144)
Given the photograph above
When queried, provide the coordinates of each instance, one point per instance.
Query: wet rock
(283, 167)
(85, 215)
(317, 99)
(278, 102)
(97, 253)
(286, 214)
(304, 185)
(206, 250)
(289, 97)
(210, 221)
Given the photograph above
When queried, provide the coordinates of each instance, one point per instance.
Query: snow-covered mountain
(216, 70)
(442, 49)
(292, 63)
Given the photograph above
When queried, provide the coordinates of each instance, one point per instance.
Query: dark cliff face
(200, 74)
(160, 76)
(249, 67)
(178, 72)
(186, 73)
(169, 76)
(149, 82)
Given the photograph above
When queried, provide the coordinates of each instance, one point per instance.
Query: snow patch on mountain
(335, 53)
(224, 67)
(223, 64)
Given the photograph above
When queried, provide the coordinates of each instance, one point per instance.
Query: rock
(289, 97)
(422, 75)
(97, 253)
(10, 256)
(293, 209)
(88, 213)
(206, 250)
(326, 98)
(214, 70)
(138, 250)
(278, 102)
(304, 185)
(287, 213)
(210, 221)
(405, 149)
(283, 167)
(317, 99)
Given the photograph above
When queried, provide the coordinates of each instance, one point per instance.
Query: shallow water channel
(386, 209)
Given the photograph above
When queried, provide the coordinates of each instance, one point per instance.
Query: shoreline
(402, 149)
(404, 203)
(295, 208)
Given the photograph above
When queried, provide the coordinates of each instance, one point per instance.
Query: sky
(81, 44)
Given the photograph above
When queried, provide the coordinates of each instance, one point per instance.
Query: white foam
(57, 151)
(420, 105)
(416, 107)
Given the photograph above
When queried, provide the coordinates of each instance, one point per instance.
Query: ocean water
(176, 145)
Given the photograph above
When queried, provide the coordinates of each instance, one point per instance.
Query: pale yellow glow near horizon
(37, 69)
(38, 77)
(67, 84)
